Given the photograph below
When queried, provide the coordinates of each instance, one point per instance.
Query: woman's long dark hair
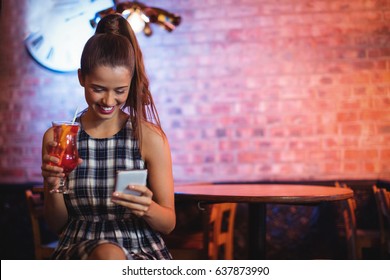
(140, 104)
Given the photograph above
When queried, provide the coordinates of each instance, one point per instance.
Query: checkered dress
(93, 218)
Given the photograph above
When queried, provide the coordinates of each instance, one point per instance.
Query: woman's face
(106, 90)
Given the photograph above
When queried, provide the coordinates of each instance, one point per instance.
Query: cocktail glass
(65, 134)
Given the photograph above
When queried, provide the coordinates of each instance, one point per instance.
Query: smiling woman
(96, 221)
(106, 92)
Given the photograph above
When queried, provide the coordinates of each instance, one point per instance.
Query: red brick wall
(246, 90)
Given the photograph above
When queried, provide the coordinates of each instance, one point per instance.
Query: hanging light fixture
(141, 16)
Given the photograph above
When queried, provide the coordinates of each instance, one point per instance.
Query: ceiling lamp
(141, 16)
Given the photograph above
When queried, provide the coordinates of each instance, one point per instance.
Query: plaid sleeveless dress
(93, 218)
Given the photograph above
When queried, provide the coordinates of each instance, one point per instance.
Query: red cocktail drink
(65, 134)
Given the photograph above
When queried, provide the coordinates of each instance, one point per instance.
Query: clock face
(60, 33)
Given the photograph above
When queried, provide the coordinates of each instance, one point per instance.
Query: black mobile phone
(130, 177)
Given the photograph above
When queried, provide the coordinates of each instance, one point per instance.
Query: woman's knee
(107, 252)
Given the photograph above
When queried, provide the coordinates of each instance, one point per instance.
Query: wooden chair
(357, 239)
(222, 223)
(34, 199)
(382, 199)
(216, 240)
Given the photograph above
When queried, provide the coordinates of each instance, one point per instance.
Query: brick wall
(246, 90)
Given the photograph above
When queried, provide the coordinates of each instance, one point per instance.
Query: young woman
(119, 130)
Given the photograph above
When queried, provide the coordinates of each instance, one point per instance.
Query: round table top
(267, 193)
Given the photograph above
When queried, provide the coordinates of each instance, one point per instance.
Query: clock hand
(74, 16)
(67, 2)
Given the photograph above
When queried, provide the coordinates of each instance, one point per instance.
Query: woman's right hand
(55, 210)
(50, 172)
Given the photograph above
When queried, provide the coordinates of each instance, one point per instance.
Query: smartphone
(130, 177)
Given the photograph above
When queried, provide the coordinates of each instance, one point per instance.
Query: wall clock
(59, 30)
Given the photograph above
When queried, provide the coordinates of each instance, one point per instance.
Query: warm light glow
(136, 20)
(140, 17)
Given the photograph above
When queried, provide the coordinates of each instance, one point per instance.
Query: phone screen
(125, 178)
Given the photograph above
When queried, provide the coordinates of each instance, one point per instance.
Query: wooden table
(257, 196)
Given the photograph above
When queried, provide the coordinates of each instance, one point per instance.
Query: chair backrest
(381, 213)
(385, 198)
(348, 208)
(382, 198)
(214, 241)
(221, 230)
(34, 200)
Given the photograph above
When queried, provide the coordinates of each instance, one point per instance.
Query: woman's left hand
(138, 204)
